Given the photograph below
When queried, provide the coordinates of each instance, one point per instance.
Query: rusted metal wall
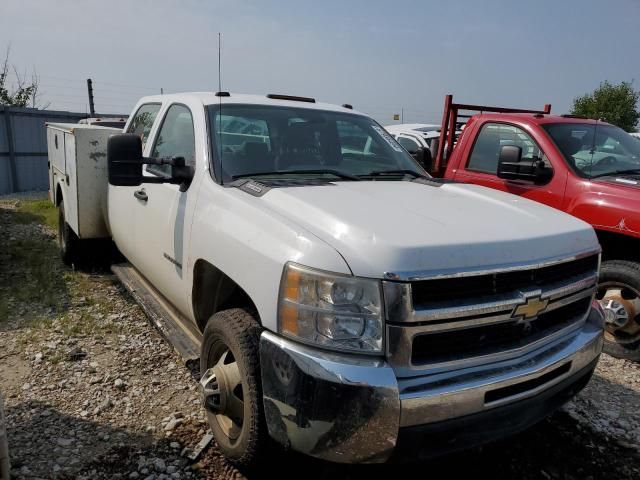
(23, 147)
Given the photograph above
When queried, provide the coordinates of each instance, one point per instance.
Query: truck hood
(413, 229)
(625, 180)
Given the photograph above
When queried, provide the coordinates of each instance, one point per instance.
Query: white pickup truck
(340, 300)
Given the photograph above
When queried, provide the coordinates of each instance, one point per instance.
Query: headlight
(330, 310)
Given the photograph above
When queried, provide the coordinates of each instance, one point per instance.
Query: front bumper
(354, 409)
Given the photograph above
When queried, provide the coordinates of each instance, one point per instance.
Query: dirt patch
(93, 392)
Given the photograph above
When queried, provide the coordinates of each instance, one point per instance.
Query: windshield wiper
(382, 173)
(335, 173)
(617, 172)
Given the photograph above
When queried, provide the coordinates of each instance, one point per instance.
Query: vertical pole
(437, 166)
(161, 91)
(402, 115)
(13, 174)
(451, 135)
(92, 109)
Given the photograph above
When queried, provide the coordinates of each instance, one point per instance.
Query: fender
(608, 207)
(250, 243)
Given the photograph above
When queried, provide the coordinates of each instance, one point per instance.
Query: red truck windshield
(610, 152)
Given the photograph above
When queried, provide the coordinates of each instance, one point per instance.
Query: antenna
(219, 62)
(593, 144)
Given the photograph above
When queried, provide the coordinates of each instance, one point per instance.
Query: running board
(174, 327)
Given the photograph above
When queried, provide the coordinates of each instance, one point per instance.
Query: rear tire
(619, 295)
(234, 334)
(68, 241)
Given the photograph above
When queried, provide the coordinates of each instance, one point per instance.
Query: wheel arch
(213, 291)
(618, 246)
(59, 194)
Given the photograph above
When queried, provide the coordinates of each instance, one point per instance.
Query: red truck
(587, 168)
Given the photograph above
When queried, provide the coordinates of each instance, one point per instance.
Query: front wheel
(619, 295)
(230, 385)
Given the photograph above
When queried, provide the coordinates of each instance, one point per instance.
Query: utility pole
(92, 109)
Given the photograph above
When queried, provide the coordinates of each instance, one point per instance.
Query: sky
(381, 57)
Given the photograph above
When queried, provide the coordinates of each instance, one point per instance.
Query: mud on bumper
(353, 409)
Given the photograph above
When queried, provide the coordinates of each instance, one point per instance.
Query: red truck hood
(609, 203)
(628, 181)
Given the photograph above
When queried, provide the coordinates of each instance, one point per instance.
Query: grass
(37, 289)
(41, 211)
(32, 279)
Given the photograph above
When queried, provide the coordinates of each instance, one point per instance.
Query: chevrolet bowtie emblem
(531, 308)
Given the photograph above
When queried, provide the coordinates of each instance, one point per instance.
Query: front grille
(468, 319)
(487, 339)
(426, 292)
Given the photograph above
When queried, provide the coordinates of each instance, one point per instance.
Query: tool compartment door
(71, 181)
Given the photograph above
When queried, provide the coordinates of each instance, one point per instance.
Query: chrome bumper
(352, 409)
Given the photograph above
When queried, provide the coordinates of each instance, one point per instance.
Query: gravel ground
(92, 391)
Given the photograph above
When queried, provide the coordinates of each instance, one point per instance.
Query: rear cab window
(143, 120)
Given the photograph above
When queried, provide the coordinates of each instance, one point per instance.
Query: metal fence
(23, 147)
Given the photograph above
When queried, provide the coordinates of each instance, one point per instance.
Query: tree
(23, 93)
(616, 104)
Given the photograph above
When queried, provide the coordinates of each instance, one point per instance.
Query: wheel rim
(621, 304)
(222, 392)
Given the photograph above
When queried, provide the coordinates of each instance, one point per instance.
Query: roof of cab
(210, 98)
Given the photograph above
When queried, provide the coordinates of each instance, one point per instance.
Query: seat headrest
(570, 145)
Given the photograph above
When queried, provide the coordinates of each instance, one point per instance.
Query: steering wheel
(610, 160)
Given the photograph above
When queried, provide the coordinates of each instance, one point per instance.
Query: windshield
(282, 141)
(611, 151)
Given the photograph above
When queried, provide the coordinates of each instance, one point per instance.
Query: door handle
(141, 195)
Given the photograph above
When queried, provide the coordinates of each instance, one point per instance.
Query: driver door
(162, 226)
(482, 164)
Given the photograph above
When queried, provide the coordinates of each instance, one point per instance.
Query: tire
(623, 275)
(68, 241)
(237, 330)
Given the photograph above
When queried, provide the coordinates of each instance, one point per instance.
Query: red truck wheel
(619, 295)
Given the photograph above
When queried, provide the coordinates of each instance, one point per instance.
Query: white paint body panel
(410, 227)
(79, 166)
(364, 228)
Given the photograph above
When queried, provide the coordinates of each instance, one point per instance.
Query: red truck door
(479, 162)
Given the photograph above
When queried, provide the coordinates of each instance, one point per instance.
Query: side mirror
(124, 159)
(511, 166)
(423, 157)
(417, 154)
